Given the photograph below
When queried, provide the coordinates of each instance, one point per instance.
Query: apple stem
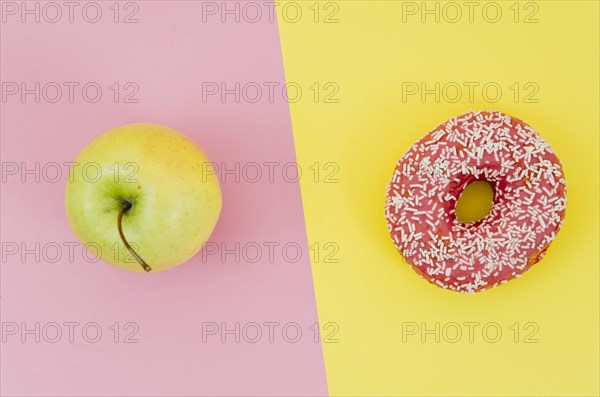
(126, 207)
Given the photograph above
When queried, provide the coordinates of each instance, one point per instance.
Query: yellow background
(371, 292)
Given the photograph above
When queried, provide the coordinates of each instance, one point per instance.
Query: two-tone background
(304, 107)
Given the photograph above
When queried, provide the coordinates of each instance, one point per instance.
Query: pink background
(168, 54)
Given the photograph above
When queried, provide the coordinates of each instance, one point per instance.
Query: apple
(140, 197)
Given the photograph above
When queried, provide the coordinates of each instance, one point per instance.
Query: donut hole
(475, 202)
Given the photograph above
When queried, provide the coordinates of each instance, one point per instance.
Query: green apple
(140, 197)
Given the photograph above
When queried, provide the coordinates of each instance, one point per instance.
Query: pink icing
(527, 213)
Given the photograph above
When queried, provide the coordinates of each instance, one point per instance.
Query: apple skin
(176, 202)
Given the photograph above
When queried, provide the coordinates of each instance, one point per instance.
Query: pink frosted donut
(527, 212)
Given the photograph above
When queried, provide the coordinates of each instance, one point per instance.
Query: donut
(527, 212)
